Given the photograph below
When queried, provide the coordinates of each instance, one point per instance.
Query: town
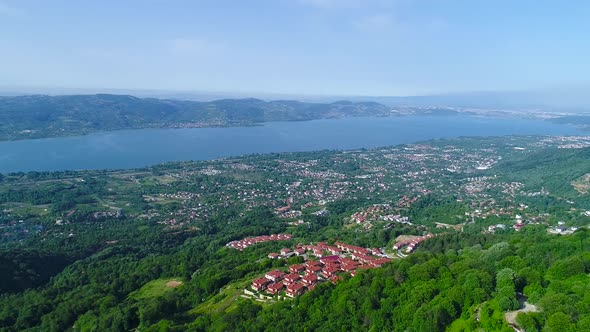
(321, 262)
(267, 230)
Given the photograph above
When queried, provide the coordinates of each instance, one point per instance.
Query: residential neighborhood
(321, 262)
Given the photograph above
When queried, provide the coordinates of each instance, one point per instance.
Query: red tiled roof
(295, 287)
(276, 273)
(310, 279)
(348, 267)
(292, 277)
(365, 267)
(261, 281)
(275, 287)
(380, 261)
(327, 259)
(296, 267)
(313, 269)
(246, 242)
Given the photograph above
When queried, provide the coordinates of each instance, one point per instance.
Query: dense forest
(461, 283)
(145, 249)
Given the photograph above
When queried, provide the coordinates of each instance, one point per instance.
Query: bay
(144, 147)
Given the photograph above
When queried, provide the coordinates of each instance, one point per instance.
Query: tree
(527, 321)
(559, 322)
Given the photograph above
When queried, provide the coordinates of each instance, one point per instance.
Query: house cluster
(493, 228)
(562, 229)
(184, 195)
(321, 174)
(245, 243)
(283, 209)
(518, 225)
(117, 213)
(331, 262)
(411, 244)
(291, 214)
(370, 213)
(406, 201)
(396, 218)
(568, 142)
(298, 222)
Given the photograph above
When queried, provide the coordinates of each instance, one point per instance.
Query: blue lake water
(137, 148)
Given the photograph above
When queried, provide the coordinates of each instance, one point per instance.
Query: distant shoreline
(38, 117)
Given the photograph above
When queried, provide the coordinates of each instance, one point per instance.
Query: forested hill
(40, 116)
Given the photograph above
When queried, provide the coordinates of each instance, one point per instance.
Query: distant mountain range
(574, 99)
(37, 116)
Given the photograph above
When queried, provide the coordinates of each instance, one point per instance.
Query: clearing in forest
(582, 184)
(156, 288)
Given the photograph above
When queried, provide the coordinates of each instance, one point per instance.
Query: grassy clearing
(582, 184)
(226, 300)
(156, 288)
(28, 209)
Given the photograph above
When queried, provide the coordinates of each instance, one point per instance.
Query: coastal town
(279, 228)
(395, 182)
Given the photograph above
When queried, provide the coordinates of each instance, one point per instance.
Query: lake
(143, 147)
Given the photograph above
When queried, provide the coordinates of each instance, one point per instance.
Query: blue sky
(338, 47)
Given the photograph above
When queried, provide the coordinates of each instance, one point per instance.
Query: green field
(155, 288)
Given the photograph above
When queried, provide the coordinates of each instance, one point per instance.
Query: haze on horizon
(313, 47)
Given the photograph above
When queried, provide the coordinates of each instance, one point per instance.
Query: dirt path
(510, 316)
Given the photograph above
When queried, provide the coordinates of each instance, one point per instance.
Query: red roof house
(292, 277)
(380, 261)
(327, 272)
(296, 268)
(260, 284)
(275, 275)
(318, 252)
(313, 269)
(348, 267)
(275, 288)
(294, 290)
(310, 279)
(312, 263)
(329, 259)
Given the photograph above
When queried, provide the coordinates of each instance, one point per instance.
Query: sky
(318, 47)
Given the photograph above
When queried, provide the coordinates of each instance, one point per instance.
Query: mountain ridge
(38, 116)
